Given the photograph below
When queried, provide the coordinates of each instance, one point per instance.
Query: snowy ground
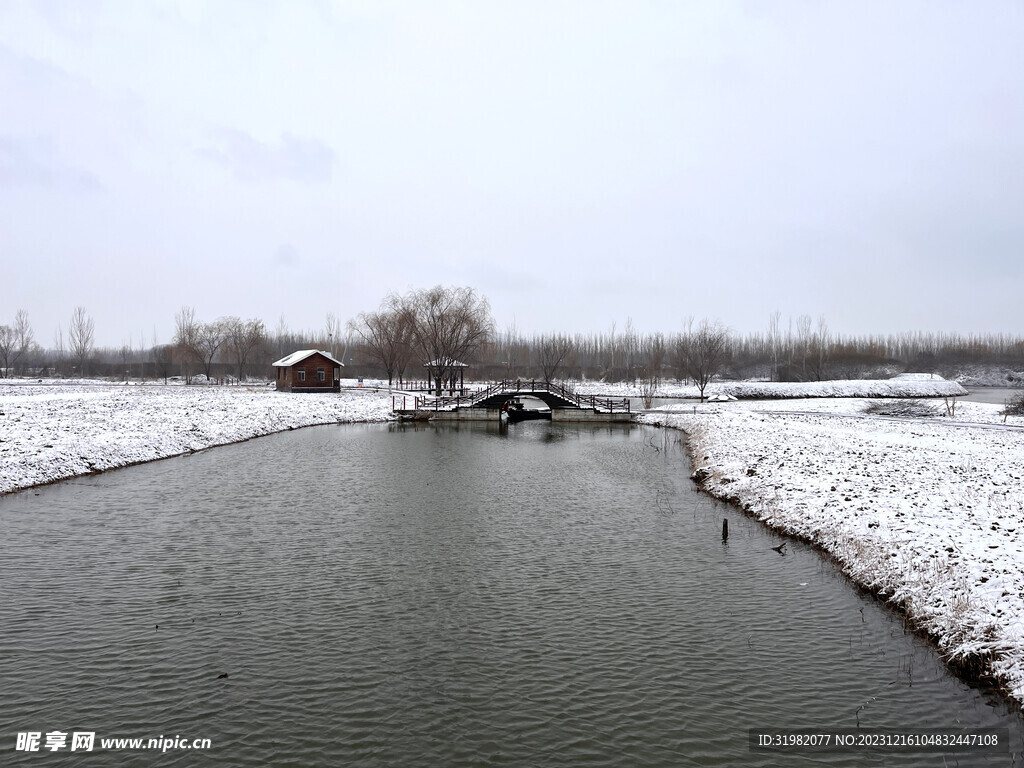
(929, 512)
(907, 385)
(54, 431)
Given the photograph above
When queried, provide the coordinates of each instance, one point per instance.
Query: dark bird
(223, 676)
(780, 549)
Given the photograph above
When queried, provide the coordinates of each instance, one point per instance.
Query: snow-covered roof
(302, 354)
(438, 364)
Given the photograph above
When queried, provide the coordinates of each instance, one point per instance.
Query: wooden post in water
(725, 529)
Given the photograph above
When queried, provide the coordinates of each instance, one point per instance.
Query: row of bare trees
(15, 343)
(19, 350)
(443, 327)
(440, 328)
(432, 331)
(201, 343)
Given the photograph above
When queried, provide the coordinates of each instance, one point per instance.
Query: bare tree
(608, 356)
(510, 350)
(163, 358)
(386, 335)
(58, 349)
(198, 341)
(22, 340)
(126, 356)
(80, 336)
(650, 376)
(448, 325)
(803, 336)
(553, 349)
(186, 335)
(818, 351)
(332, 332)
(774, 340)
(705, 352)
(680, 350)
(282, 337)
(630, 346)
(209, 339)
(6, 349)
(243, 338)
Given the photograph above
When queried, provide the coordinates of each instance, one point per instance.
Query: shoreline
(926, 550)
(53, 432)
(972, 669)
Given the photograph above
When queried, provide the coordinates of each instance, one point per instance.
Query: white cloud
(290, 159)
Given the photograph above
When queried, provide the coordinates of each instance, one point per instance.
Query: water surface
(539, 595)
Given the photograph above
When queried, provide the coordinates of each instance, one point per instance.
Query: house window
(320, 376)
(302, 374)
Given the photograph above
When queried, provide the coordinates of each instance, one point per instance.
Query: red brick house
(308, 370)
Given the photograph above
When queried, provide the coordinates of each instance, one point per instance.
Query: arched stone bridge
(555, 396)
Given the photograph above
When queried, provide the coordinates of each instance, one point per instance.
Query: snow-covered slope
(768, 390)
(54, 432)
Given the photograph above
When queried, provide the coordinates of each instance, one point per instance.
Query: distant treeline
(231, 347)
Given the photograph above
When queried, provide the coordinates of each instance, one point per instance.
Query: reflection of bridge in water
(565, 404)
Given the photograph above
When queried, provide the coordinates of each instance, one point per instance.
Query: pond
(998, 395)
(387, 595)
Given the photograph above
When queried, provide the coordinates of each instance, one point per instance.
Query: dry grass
(902, 408)
(1015, 405)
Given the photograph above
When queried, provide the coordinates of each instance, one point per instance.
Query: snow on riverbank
(901, 386)
(928, 512)
(987, 376)
(54, 431)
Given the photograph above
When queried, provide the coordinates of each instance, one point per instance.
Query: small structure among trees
(453, 375)
(440, 326)
(308, 370)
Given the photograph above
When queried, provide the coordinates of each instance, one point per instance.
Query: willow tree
(198, 341)
(244, 338)
(447, 326)
(386, 336)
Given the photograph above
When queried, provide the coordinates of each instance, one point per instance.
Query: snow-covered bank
(770, 390)
(982, 376)
(928, 512)
(56, 431)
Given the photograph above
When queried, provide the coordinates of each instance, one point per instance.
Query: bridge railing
(598, 403)
(517, 386)
(606, 404)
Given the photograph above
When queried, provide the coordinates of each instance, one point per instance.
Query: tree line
(427, 334)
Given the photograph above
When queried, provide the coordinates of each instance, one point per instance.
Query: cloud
(35, 161)
(254, 161)
(285, 256)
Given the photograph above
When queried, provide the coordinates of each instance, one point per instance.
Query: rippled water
(997, 395)
(544, 595)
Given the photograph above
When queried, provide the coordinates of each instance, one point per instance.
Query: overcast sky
(578, 163)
